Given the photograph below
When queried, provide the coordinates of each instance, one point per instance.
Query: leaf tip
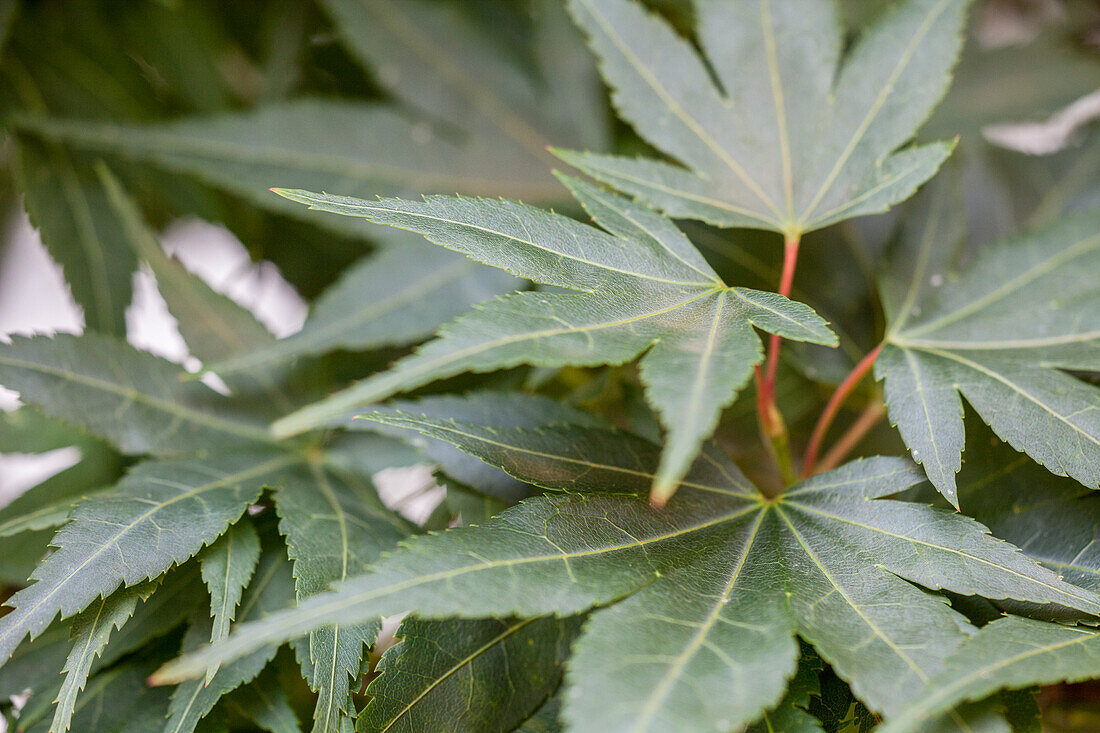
(662, 491)
(160, 678)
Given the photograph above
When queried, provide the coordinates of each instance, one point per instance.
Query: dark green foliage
(596, 412)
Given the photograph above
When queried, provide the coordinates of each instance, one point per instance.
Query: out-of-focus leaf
(212, 325)
(1022, 502)
(116, 701)
(69, 207)
(344, 145)
(47, 504)
(792, 713)
(397, 297)
(1011, 83)
(135, 399)
(545, 719)
(265, 703)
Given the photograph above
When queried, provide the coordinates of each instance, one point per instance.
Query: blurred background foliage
(199, 106)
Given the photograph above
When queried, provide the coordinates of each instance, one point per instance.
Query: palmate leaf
(396, 297)
(714, 587)
(467, 675)
(998, 333)
(792, 138)
(334, 526)
(134, 399)
(160, 514)
(1013, 652)
(643, 289)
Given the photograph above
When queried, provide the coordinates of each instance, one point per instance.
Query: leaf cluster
(756, 381)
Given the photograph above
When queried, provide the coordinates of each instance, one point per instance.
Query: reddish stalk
(786, 282)
(767, 412)
(809, 459)
(846, 443)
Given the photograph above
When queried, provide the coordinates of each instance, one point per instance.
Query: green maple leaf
(47, 504)
(501, 409)
(213, 326)
(113, 700)
(642, 289)
(82, 235)
(1002, 333)
(265, 702)
(791, 137)
(1012, 652)
(1020, 501)
(476, 675)
(410, 290)
(166, 511)
(161, 514)
(91, 630)
(271, 589)
(227, 567)
(710, 591)
(334, 527)
(250, 360)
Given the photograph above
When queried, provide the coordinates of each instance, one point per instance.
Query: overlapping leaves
(774, 129)
(643, 288)
(711, 590)
(209, 458)
(1020, 501)
(697, 608)
(481, 120)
